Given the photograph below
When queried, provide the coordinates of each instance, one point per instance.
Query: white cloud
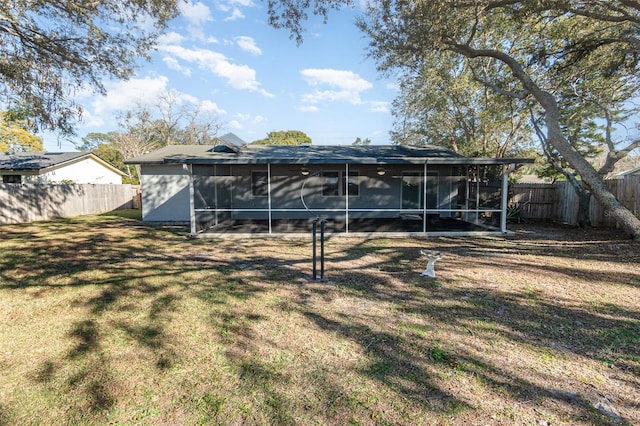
(235, 15)
(209, 106)
(128, 95)
(242, 121)
(332, 96)
(243, 3)
(379, 106)
(248, 44)
(344, 86)
(170, 38)
(345, 80)
(173, 64)
(235, 124)
(309, 108)
(205, 106)
(196, 14)
(257, 119)
(240, 77)
(235, 9)
(124, 95)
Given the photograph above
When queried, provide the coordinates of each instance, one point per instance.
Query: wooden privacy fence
(559, 201)
(32, 202)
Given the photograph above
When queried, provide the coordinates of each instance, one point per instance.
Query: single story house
(233, 187)
(57, 167)
(631, 172)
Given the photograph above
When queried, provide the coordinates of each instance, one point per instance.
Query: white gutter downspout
(505, 196)
(269, 192)
(215, 191)
(192, 212)
(424, 198)
(346, 198)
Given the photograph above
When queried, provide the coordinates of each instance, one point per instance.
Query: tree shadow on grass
(115, 272)
(394, 363)
(609, 334)
(407, 364)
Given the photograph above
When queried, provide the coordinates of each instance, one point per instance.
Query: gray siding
(165, 193)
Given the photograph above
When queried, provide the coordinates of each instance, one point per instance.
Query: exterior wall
(165, 193)
(10, 177)
(86, 170)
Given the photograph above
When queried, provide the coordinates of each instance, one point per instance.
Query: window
(351, 184)
(11, 179)
(336, 184)
(330, 187)
(259, 184)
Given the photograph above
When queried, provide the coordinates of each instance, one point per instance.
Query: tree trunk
(590, 177)
(594, 182)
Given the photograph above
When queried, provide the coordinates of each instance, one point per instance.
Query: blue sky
(225, 58)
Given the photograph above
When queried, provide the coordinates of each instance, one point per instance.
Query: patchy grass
(104, 320)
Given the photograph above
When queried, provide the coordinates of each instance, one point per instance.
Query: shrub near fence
(33, 202)
(537, 200)
(559, 201)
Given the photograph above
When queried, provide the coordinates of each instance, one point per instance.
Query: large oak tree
(530, 51)
(49, 50)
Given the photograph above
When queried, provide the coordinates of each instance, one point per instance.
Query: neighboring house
(57, 167)
(631, 172)
(234, 187)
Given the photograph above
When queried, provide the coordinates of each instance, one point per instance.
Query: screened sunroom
(261, 189)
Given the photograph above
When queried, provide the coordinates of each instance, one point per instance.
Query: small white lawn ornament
(432, 257)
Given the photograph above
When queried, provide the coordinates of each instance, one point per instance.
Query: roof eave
(305, 160)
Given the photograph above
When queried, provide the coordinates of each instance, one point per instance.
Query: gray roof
(629, 172)
(313, 154)
(36, 160)
(42, 161)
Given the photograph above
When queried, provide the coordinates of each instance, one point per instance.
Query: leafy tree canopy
(51, 49)
(539, 54)
(360, 141)
(442, 104)
(284, 137)
(16, 133)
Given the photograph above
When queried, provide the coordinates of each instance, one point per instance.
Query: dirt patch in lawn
(105, 320)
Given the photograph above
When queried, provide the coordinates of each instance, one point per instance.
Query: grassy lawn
(104, 320)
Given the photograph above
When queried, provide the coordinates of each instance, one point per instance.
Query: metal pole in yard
(315, 224)
(322, 250)
(505, 196)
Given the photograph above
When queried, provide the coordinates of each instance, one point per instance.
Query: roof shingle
(311, 154)
(36, 160)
